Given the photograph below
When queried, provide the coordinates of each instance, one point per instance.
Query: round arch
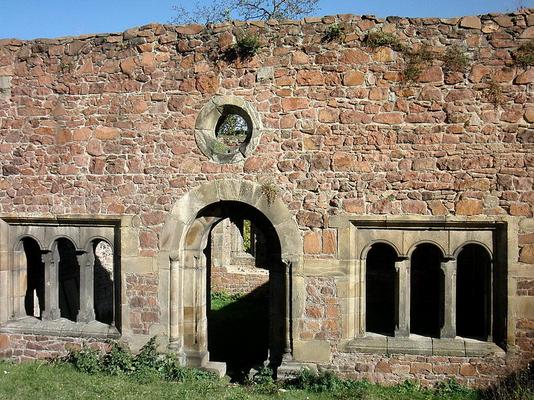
(369, 246)
(17, 243)
(186, 209)
(429, 242)
(53, 242)
(472, 242)
(182, 241)
(90, 242)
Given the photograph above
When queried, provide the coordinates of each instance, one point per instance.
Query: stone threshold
(60, 327)
(422, 345)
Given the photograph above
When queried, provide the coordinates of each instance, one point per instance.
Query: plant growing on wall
(376, 39)
(494, 93)
(334, 32)
(455, 59)
(246, 46)
(218, 147)
(524, 55)
(416, 62)
(270, 191)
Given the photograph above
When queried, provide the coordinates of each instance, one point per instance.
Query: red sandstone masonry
(31, 347)
(103, 124)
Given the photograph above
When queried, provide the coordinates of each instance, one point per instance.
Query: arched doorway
(185, 238)
(245, 326)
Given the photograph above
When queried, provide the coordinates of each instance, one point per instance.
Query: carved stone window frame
(207, 123)
(353, 244)
(82, 232)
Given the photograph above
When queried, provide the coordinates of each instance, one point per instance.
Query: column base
(290, 369)
(447, 333)
(402, 333)
(196, 358)
(86, 316)
(177, 349)
(50, 315)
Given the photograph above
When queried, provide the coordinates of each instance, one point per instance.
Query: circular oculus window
(227, 129)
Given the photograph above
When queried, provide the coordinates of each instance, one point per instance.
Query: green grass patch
(220, 300)
(63, 381)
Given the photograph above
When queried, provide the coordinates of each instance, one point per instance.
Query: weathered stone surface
(353, 78)
(525, 77)
(471, 22)
(107, 133)
(469, 207)
(527, 254)
(528, 33)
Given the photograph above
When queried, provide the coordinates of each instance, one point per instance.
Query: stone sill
(60, 327)
(422, 345)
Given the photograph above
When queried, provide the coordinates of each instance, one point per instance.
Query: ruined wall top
(487, 23)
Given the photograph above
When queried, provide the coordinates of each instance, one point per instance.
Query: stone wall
(233, 281)
(232, 269)
(40, 347)
(104, 124)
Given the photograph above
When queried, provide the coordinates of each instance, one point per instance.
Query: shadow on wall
(238, 331)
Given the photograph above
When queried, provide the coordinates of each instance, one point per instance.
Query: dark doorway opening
(34, 297)
(380, 289)
(473, 300)
(245, 326)
(426, 291)
(69, 280)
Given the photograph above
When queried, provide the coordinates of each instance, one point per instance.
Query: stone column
(402, 298)
(19, 283)
(488, 319)
(5, 278)
(287, 328)
(177, 309)
(86, 261)
(51, 262)
(448, 329)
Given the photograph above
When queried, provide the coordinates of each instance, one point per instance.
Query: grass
(63, 381)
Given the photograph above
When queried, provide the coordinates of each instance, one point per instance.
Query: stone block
(5, 87)
(413, 345)
(369, 344)
(311, 351)
(471, 22)
(140, 265)
(448, 347)
(475, 348)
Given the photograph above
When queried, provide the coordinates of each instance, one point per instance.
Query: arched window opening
(69, 280)
(380, 289)
(34, 297)
(103, 282)
(473, 300)
(426, 291)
